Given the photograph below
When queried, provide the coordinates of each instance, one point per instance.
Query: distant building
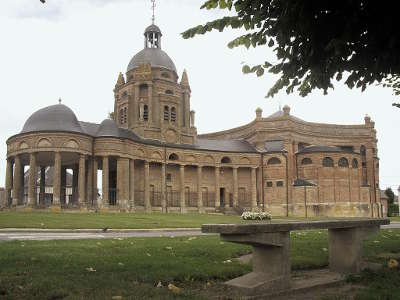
(152, 159)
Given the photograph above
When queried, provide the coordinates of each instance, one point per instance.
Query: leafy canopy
(316, 42)
(389, 193)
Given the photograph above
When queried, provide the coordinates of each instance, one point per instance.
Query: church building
(151, 158)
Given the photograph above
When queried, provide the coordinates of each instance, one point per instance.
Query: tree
(316, 42)
(111, 115)
(389, 193)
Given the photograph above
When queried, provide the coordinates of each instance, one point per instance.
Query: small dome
(153, 56)
(53, 118)
(108, 128)
(153, 28)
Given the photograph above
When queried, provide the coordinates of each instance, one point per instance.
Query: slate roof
(280, 114)
(303, 182)
(61, 118)
(155, 57)
(312, 149)
(53, 118)
(153, 28)
(274, 146)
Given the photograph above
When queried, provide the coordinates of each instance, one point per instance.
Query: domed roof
(108, 128)
(53, 118)
(153, 28)
(155, 57)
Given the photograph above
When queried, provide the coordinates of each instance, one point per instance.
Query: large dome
(53, 118)
(155, 57)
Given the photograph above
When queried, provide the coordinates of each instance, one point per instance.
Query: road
(36, 235)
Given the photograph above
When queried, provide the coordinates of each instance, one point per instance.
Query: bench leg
(345, 248)
(271, 267)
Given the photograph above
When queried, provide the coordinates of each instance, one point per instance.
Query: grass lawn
(111, 220)
(395, 219)
(132, 268)
(48, 220)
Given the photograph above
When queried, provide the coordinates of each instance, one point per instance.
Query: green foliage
(111, 115)
(316, 42)
(393, 210)
(389, 193)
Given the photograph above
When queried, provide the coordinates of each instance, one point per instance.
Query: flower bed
(248, 215)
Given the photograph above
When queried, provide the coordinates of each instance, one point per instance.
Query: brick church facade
(151, 158)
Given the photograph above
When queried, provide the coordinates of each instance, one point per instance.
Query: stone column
(235, 187)
(253, 188)
(106, 182)
(64, 185)
(32, 181)
(42, 190)
(95, 187)
(217, 195)
(163, 187)
(132, 184)
(75, 177)
(147, 203)
(9, 180)
(123, 182)
(17, 185)
(81, 180)
(89, 182)
(199, 189)
(57, 179)
(182, 187)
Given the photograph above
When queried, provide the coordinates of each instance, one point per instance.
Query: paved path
(47, 235)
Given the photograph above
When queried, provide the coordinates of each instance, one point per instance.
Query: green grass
(395, 219)
(48, 220)
(111, 220)
(132, 267)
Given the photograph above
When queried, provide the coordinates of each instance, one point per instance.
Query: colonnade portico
(128, 184)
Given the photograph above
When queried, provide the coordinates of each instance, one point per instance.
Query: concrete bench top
(269, 227)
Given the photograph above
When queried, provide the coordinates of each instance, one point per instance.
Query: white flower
(258, 215)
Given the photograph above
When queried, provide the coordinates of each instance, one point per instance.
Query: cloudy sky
(74, 49)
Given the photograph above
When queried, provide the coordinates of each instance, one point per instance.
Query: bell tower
(150, 100)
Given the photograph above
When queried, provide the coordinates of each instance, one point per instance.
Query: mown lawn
(111, 220)
(132, 268)
(63, 220)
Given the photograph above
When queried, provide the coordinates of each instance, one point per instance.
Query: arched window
(173, 114)
(173, 156)
(165, 75)
(125, 115)
(306, 161)
(363, 152)
(121, 116)
(354, 163)
(145, 113)
(166, 113)
(343, 163)
(143, 91)
(327, 162)
(169, 92)
(226, 160)
(274, 161)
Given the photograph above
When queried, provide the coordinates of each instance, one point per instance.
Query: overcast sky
(74, 49)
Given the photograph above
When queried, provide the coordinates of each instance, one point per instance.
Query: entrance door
(222, 197)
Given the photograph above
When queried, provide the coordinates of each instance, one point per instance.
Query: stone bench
(271, 249)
